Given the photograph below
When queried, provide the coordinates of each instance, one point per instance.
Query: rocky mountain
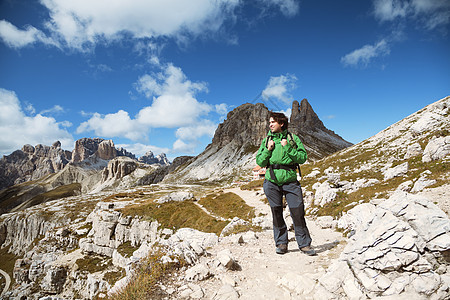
(38, 174)
(231, 155)
(318, 140)
(389, 195)
(31, 163)
(149, 158)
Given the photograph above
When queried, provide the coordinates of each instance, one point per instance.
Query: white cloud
(362, 57)
(289, 8)
(431, 13)
(54, 109)
(388, 10)
(140, 149)
(83, 22)
(280, 88)
(114, 125)
(180, 146)
(222, 110)
(17, 38)
(175, 104)
(17, 129)
(194, 132)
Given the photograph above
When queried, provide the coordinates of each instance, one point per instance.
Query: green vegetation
(152, 272)
(113, 276)
(228, 205)
(92, 264)
(176, 215)
(126, 249)
(7, 262)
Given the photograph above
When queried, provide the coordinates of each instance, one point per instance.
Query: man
(281, 152)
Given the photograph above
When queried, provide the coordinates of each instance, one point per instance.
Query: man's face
(274, 126)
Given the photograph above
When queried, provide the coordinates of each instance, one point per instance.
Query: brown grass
(228, 205)
(145, 284)
(176, 215)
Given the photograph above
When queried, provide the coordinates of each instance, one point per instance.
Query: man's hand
(270, 145)
(283, 142)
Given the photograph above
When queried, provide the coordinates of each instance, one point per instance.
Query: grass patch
(7, 262)
(92, 264)
(252, 185)
(58, 193)
(150, 274)
(126, 250)
(176, 215)
(113, 276)
(228, 205)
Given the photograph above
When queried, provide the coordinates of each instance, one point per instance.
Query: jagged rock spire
(319, 140)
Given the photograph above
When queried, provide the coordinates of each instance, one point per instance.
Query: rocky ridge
(33, 163)
(95, 164)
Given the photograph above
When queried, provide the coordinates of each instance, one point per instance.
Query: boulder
(437, 148)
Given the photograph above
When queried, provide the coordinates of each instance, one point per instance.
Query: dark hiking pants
(294, 199)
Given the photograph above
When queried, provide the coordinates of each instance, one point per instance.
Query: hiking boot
(308, 251)
(281, 249)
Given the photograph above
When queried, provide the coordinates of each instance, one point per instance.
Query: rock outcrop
(86, 147)
(32, 163)
(398, 247)
(118, 168)
(245, 125)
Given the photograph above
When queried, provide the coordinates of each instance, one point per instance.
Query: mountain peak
(318, 140)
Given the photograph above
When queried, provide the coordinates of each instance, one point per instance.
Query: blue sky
(161, 75)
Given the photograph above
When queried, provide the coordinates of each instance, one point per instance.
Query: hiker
(281, 152)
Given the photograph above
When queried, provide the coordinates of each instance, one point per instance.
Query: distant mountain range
(95, 164)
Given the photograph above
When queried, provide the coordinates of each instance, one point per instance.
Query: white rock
(422, 183)
(326, 222)
(413, 150)
(437, 148)
(297, 283)
(226, 292)
(396, 171)
(226, 258)
(197, 273)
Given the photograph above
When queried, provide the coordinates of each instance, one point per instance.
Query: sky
(160, 75)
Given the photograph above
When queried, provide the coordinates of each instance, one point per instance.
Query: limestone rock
(118, 168)
(32, 163)
(396, 171)
(413, 150)
(226, 292)
(149, 158)
(390, 252)
(436, 149)
(197, 273)
(106, 150)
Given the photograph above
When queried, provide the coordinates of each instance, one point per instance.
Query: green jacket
(283, 155)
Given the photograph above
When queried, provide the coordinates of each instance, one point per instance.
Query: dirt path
(7, 279)
(265, 274)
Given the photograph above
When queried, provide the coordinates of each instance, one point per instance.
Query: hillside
(378, 213)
